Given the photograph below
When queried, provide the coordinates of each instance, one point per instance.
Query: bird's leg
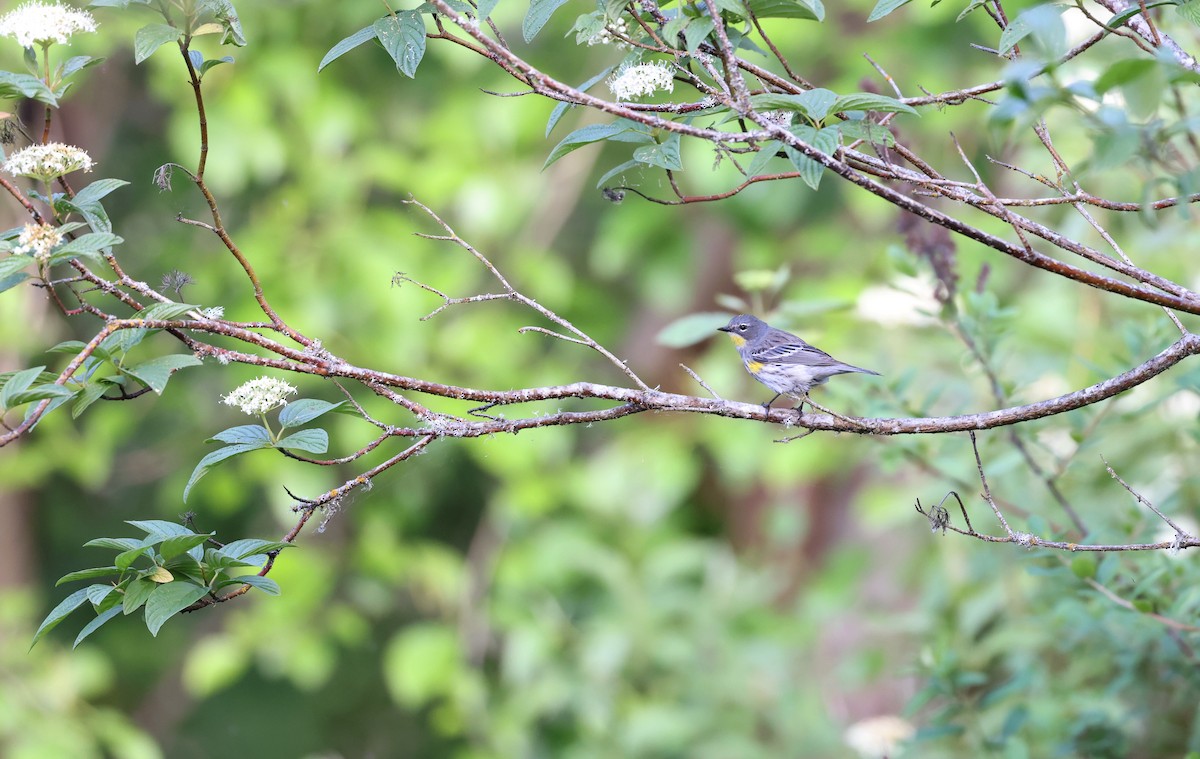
(831, 412)
(767, 405)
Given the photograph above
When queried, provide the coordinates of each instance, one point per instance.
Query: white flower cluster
(612, 32)
(38, 239)
(630, 82)
(258, 396)
(48, 161)
(45, 24)
(879, 737)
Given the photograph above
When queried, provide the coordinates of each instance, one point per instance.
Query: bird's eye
(742, 327)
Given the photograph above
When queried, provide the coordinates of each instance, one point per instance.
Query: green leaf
(1123, 17)
(214, 458)
(1189, 10)
(14, 85)
(116, 544)
(173, 546)
(247, 547)
(168, 600)
(97, 190)
(365, 34)
(265, 584)
(1124, 72)
(691, 329)
(868, 101)
(60, 612)
(165, 311)
(814, 104)
(403, 37)
(155, 372)
(150, 38)
(867, 130)
(213, 63)
(136, 594)
(9, 281)
(485, 8)
(824, 140)
(252, 434)
(126, 559)
(214, 559)
(536, 17)
(87, 574)
(883, 8)
(665, 155)
(766, 152)
(95, 624)
(312, 441)
(620, 169)
(305, 410)
(17, 384)
(87, 395)
(87, 245)
(227, 15)
(697, 31)
(584, 136)
(561, 108)
(159, 528)
(809, 10)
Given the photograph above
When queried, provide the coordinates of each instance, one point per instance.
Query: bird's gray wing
(795, 353)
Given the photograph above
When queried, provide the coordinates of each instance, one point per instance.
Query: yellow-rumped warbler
(782, 361)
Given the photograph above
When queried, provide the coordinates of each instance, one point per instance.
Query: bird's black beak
(724, 329)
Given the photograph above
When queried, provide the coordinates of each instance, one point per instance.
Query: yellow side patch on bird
(754, 367)
(738, 340)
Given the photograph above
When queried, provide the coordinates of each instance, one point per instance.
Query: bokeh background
(661, 586)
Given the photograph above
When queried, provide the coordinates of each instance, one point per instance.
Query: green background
(660, 586)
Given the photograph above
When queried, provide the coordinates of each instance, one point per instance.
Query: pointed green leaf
(247, 547)
(178, 544)
(265, 584)
(665, 155)
(868, 101)
(536, 17)
(24, 85)
(17, 383)
(312, 441)
(9, 281)
(214, 458)
(584, 136)
(403, 37)
(155, 372)
(305, 410)
(884, 7)
(136, 594)
(150, 38)
(87, 574)
(168, 600)
(619, 169)
(165, 311)
(811, 10)
(561, 108)
(159, 528)
(251, 434)
(97, 190)
(116, 544)
(365, 34)
(91, 244)
(766, 152)
(60, 612)
(95, 624)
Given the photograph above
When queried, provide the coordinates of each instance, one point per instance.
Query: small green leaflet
(884, 7)
(584, 136)
(168, 600)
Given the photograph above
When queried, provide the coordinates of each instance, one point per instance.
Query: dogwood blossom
(44, 24)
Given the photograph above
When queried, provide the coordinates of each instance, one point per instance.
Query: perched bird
(782, 361)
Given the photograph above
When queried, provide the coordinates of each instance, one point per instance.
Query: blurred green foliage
(656, 587)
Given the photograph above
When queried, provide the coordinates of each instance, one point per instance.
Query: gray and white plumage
(782, 361)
